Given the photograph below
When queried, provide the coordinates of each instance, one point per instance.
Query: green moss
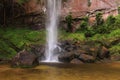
(114, 50)
(15, 39)
(99, 20)
(6, 52)
(119, 10)
(69, 21)
(115, 33)
(12, 40)
(71, 36)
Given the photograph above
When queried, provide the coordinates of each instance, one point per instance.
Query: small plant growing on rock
(68, 19)
(89, 3)
(110, 20)
(84, 24)
(119, 10)
(99, 20)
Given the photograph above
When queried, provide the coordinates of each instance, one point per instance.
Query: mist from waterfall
(53, 12)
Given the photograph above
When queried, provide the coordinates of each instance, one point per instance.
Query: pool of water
(59, 71)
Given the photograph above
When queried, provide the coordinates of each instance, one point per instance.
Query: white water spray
(53, 12)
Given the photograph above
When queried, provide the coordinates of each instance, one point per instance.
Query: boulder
(24, 58)
(86, 58)
(4, 61)
(37, 26)
(78, 52)
(115, 57)
(66, 57)
(38, 50)
(76, 61)
(104, 53)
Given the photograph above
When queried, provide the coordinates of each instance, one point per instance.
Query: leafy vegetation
(71, 36)
(13, 40)
(69, 22)
(119, 10)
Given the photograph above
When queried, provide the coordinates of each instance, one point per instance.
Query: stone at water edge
(24, 58)
(39, 51)
(104, 53)
(66, 57)
(77, 53)
(86, 58)
(76, 61)
(115, 57)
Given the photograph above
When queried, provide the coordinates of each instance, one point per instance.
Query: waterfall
(53, 12)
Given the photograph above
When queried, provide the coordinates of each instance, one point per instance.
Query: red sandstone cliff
(80, 7)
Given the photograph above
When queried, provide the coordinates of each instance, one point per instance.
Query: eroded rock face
(82, 7)
(24, 58)
(77, 7)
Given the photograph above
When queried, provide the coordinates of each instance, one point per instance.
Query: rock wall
(80, 8)
(33, 5)
(76, 7)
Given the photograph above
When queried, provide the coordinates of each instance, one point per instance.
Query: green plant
(119, 10)
(90, 32)
(68, 19)
(13, 40)
(89, 3)
(84, 24)
(117, 22)
(99, 20)
(63, 35)
(110, 20)
(115, 49)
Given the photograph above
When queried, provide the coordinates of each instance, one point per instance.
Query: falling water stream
(53, 12)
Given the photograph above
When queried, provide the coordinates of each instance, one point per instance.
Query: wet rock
(104, 53)
(24, 58)
(86, 58)
(76, 61)
(4, 61)
(66, 57)
(66, 43)
(57, 50)
(78, 52)
(38, 50)
(86, 48)
(37, 26)
(69, 49)
(105, 60)
(115, 57)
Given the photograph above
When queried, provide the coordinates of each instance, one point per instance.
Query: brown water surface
(50, 71)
